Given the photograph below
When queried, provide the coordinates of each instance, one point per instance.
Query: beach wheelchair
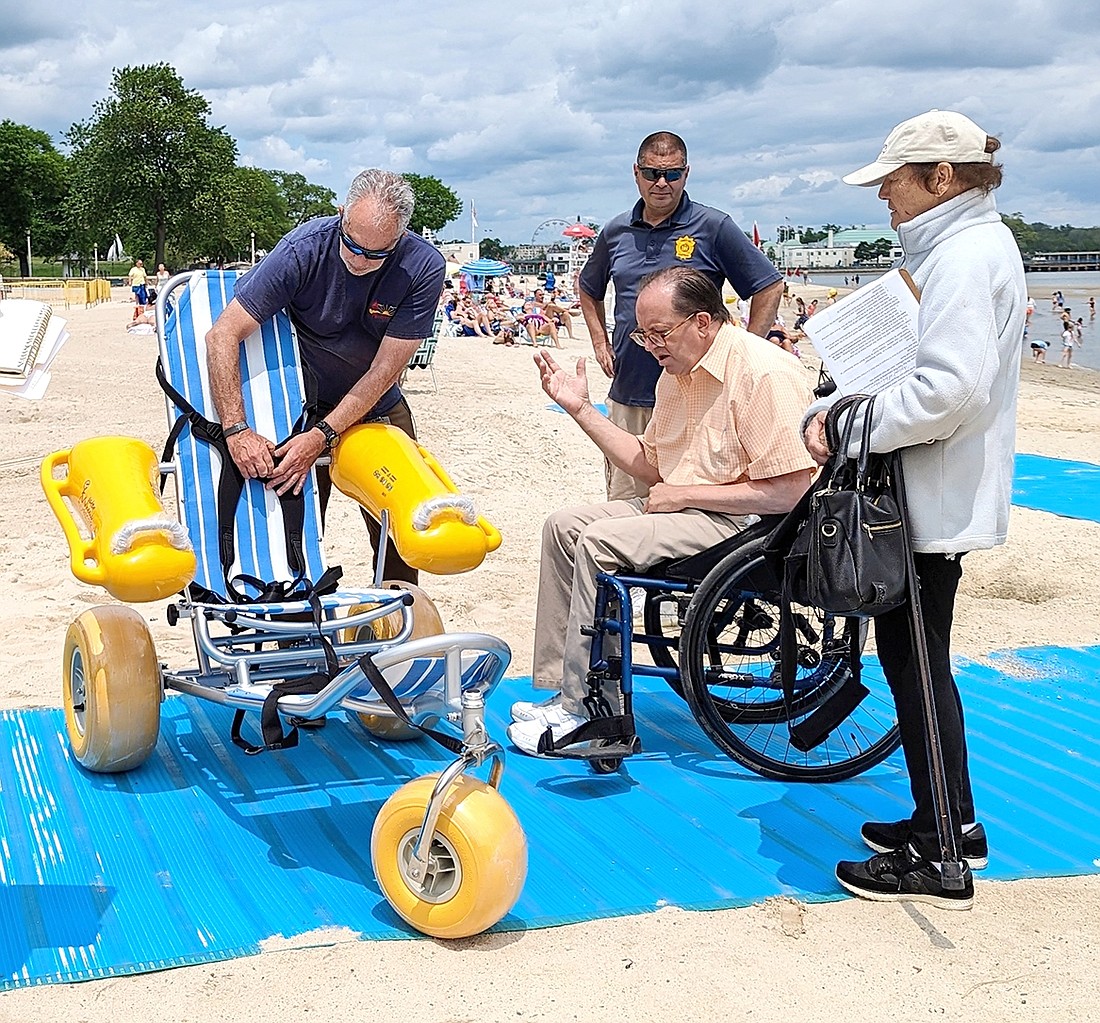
(277, 638)
(719, 630)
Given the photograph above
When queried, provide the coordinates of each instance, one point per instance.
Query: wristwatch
(230, 431)
(331, 436)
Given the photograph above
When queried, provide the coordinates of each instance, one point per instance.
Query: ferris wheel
(549, 231)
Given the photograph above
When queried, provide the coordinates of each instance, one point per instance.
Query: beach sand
(1027, 951)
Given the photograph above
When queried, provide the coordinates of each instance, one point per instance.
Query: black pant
(939, 581)
(401, 417)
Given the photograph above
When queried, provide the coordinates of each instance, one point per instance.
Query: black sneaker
(883, 838)
(901, 876)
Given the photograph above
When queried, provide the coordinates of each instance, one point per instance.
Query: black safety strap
(230, 487)
(389, 698)
(271, 727)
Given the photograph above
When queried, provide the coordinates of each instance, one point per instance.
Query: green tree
(147, 163)
(494, 248)
(235, 205)
(304, 200)
(873, 252)
(436, 204)
(32, 187)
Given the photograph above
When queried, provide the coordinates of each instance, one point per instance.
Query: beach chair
(423, 358)
(277, 637)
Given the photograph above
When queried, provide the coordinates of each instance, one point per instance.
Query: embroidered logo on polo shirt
(378, 309)
(685, 247)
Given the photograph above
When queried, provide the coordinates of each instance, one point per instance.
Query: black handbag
(849, 556)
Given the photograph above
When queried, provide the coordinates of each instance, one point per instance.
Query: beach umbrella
(485, 268)
(579, 230)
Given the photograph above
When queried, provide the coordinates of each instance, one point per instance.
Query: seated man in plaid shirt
(724, 444)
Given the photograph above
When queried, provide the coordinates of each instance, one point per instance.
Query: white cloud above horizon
(534, 112)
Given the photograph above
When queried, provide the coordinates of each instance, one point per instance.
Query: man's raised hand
(570, 392)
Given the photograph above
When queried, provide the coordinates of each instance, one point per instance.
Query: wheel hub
(77, 689)
(442, 879)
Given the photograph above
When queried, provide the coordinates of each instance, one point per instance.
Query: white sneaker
(526, 734)
(531, 710)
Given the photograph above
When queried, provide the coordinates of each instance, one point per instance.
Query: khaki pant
(621, 486)
(578, 543)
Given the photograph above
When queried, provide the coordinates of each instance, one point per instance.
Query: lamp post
(30, 269)
(253, 248)
(95, 249)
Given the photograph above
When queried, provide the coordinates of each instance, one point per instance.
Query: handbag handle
(865, 444)
(840, 478)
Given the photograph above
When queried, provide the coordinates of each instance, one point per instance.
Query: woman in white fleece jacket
(955, 418)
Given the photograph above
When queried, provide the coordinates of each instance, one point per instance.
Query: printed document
(868, 339)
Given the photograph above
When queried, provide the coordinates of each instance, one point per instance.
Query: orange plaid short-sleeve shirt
(735, 417)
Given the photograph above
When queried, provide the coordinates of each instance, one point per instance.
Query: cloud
(538, 114)
(275, 153)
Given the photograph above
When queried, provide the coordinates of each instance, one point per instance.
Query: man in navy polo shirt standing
(362, 292)
(665, 228)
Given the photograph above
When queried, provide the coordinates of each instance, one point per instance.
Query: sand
(1027, 951)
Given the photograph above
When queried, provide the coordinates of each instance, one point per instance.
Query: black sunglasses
(358, 250)
(670, 174)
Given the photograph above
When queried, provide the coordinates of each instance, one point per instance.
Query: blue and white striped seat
(274, 396)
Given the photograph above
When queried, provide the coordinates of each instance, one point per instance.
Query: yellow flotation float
(104, 493)
(435, 528)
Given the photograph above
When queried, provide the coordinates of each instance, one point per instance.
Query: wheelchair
(277, 636)
(711, 625)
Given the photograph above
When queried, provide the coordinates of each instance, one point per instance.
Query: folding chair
(276, 637)
(423, 358)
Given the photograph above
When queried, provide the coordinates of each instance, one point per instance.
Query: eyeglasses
(358, 250)
(657, 338)
(670, 174)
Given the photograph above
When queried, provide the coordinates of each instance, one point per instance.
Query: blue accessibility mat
(203, 853)
(1071, 489)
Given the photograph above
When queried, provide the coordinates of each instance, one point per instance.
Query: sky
(532, 113)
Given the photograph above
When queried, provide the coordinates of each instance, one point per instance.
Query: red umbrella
(579, 230)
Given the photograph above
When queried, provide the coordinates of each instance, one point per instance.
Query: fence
(69, 291)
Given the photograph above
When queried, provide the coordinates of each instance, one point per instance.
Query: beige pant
(577, 543)
(621, 486)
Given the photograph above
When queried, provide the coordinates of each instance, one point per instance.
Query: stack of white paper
(33, 385)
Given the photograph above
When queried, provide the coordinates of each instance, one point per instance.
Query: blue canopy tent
(477, 270)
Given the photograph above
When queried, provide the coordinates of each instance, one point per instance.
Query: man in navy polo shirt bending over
(665, 228)
(362, 292)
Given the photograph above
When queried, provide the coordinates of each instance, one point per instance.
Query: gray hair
(690, 290)
(393, 193)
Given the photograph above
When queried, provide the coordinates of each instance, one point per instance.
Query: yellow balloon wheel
(426, 622)
(478, 859)
(111, 689)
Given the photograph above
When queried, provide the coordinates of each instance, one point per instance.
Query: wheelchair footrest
(604, 751)
(598, 739)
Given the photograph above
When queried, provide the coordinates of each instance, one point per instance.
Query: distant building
(537, 259)
(837, 252)
(1041, 261)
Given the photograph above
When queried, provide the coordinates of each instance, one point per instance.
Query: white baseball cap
(935, 137)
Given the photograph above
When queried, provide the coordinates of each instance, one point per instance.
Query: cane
(951, 869)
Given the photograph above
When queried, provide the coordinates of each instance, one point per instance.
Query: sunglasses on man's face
(358, 250)
(670, 174)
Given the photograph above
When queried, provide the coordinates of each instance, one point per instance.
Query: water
(1076, 287)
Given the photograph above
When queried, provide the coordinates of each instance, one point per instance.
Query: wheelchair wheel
(112, 689)
(729, 665)
(426, 622)
(478, 859)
